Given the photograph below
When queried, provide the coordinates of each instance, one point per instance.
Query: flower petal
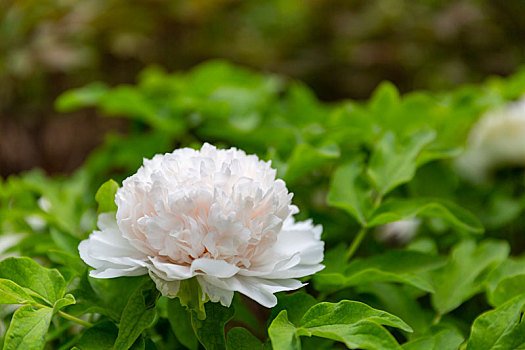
(109, 253)
(217, 268)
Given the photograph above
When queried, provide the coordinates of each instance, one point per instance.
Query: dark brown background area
(342, 49)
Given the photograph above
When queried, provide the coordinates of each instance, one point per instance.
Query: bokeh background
(341, 49)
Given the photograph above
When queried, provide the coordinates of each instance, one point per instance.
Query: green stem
(356, 243)
(67, 316)
(74, 319)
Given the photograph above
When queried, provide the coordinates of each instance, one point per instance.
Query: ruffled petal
(109, 253)
(217, 268)
(167, 288)
(215, 293)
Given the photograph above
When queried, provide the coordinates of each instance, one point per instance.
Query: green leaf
(47, 284)
(86, 96)
(210, 331)
(180, 321)
(65, 301)
(406, 209)
(296, 304)
(138, 315)
(393, 164)
(501, 328)
(351, 322)
(306, 158)
(396, 266)
(105, 197)
(240, 338)
(283, 333)
(463, 275)
(509, 268)
(507, 289)
(349, 191)
(12, 293)
(349, 312)
(400, 301)
(99, 337)
(446, 339)
(28, 328)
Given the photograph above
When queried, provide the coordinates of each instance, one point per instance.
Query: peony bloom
(398, 232)
(218, 215)
(497, 139)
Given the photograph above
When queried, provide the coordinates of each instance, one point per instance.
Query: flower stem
(74, 319)
(356, 243)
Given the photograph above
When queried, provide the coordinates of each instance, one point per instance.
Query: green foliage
(353, 323)
(357, 168)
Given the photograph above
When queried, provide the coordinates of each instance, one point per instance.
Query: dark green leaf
(508, 288)
(241, 339)
(396, 266)
(99, 337)
(210, 331)
(138, 315)
(180, 321)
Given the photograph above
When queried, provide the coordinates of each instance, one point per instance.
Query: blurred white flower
(497, 139)
(399, 232)
(217, 215)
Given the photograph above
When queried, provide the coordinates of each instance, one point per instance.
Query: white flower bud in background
(398, 232)
(496, 140)
(220, 216)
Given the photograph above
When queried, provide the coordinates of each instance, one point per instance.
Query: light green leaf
(362, 335)
(393, 164)
(459, 279)
(509, 268)
(351, 322)
(190, 296)
(406, 209)
(12, 293)
(443, 340)
(283, 333)
(349, 191)
(138, 315)
(86, 96)
(210, 331)
(306, 158)
(68, 299)
(105, 197)
(349, 312)
(28, 328)
(240, 338)
(48, 284)
(507, 288)
(180, 321)
(395, 266)
(502, 328)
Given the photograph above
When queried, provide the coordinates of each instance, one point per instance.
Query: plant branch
(356, 243)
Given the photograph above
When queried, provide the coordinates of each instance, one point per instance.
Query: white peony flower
(217, 215)
(497, 139)
(400, 232)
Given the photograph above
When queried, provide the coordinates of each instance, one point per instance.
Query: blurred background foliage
(341, 49)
